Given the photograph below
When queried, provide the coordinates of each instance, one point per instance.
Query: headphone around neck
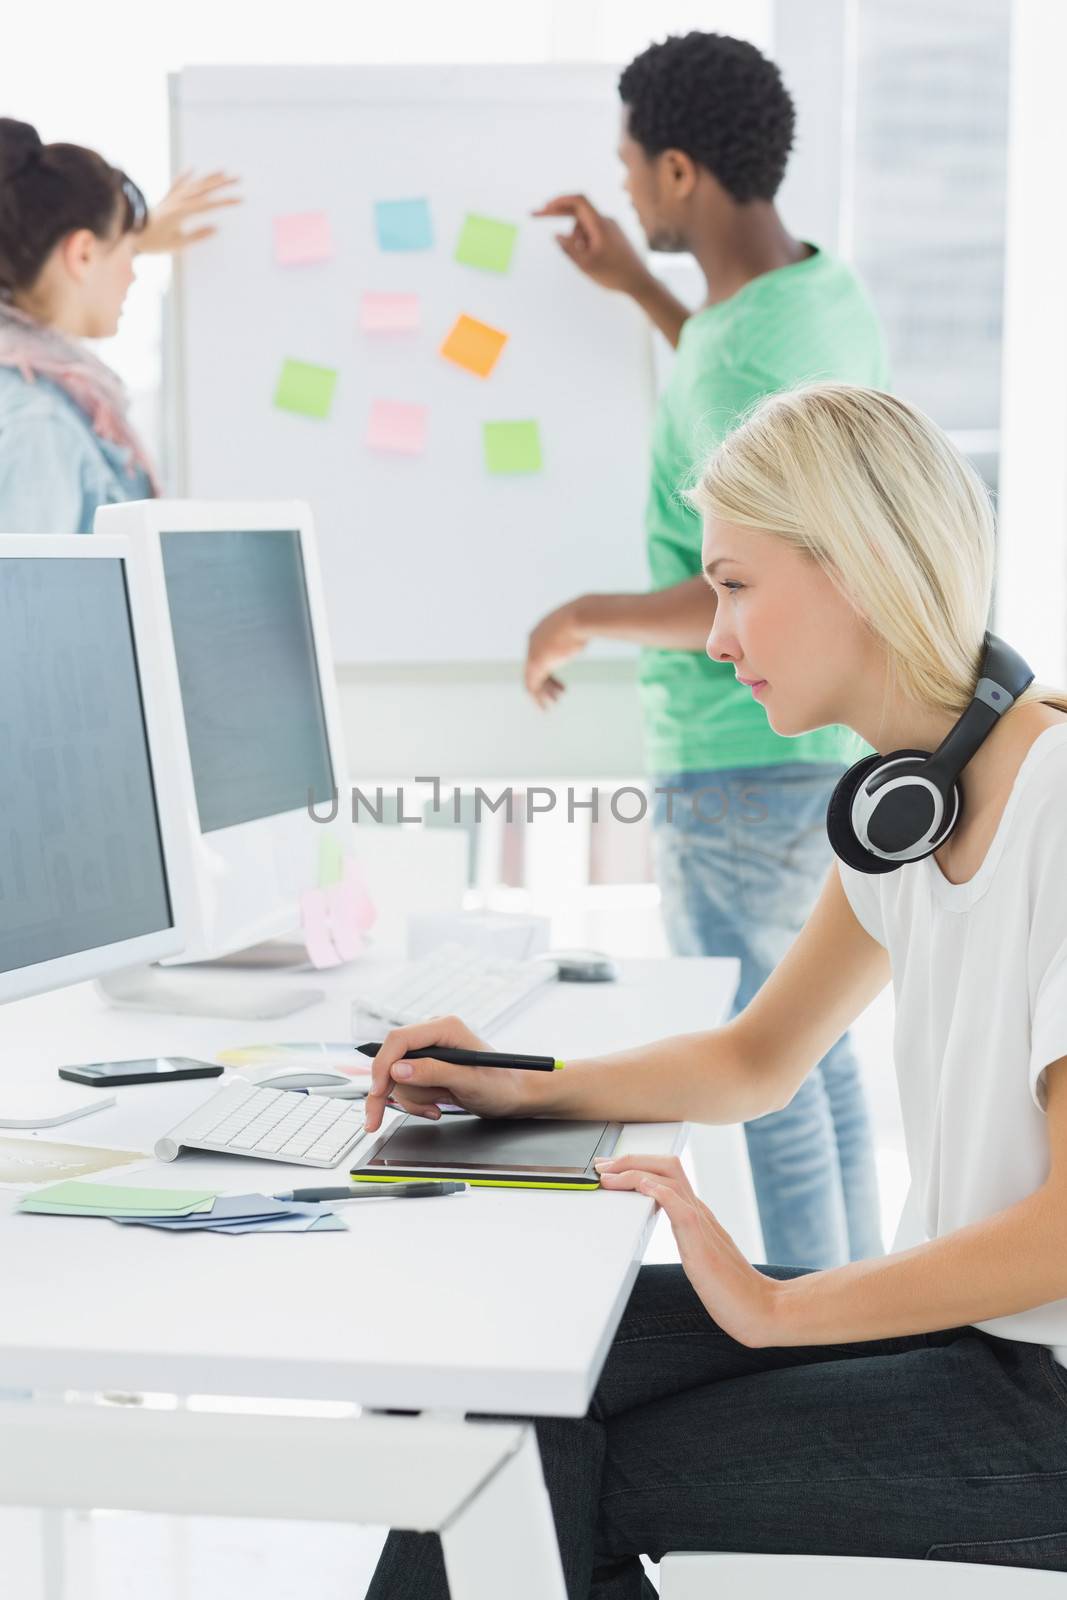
(889, 810)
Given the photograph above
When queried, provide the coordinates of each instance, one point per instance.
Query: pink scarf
(38, 351)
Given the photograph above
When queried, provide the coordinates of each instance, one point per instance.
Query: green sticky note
(103, 1199)
(486, 243)
(305, 389)
(512, 447)
(331, 860)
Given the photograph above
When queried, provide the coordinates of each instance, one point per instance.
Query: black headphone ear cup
(839, 827)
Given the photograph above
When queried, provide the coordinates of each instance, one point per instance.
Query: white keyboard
(456, 980)
(276, 1124)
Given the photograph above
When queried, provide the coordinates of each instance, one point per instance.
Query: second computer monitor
(252, 688)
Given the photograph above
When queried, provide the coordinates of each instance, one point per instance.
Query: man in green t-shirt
(740, 845)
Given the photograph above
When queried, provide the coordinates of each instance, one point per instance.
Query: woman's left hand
(187, 197)
(740, 1299)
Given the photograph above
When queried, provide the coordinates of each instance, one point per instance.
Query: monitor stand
(273, 955)
(204, 994)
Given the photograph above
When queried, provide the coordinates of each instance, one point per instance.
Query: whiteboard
(426, 557)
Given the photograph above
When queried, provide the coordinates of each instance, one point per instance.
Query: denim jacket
(54, 469)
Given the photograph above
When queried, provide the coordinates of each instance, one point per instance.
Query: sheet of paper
(325, 1056)
(511, 447)
(331, 859)
(389, 313)
(301, 238)
(474, 345)
(486, 242)
(34, 1161)
(397, 427)
(315, 929)
(403, 224)
(305, 389)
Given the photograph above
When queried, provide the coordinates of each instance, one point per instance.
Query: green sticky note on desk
(112, 1199)
(486, 243)
(331, 860)
(305, 389)
(511, 447)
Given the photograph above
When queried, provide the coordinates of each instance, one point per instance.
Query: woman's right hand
(417, 1086)
(187, 198)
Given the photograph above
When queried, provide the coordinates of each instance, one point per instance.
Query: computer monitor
(249, 679)
(94, 872)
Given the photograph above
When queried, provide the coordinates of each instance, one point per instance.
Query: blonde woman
(916, 1405)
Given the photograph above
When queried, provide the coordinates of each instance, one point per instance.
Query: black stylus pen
(375, 1191)
(474, 1058)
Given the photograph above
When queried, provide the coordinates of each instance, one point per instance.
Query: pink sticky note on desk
(315, 928)
(397, 428)
(352, 911)
(389, 313)
(301, 238)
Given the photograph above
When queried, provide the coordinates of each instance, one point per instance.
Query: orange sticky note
(474, 345)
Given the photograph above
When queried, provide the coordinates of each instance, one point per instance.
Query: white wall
(1032, 578)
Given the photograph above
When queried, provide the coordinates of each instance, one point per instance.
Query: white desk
(497, 1301)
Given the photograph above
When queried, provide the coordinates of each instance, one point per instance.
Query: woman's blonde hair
(876, 493)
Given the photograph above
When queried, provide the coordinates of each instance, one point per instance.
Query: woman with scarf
(70, 227)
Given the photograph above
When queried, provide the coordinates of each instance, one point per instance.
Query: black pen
(375, 1191)
(474, 1058)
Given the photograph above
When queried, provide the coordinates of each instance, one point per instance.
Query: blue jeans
(741, 855)
(946, 1446)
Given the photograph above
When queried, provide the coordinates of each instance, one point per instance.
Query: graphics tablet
(529, 1153)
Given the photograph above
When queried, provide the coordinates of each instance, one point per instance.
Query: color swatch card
(301, 238)
(474, 345)
(397, 428)
(403, 224)
(486, 243)
(389, 313)
(111, 1199)
(511, 447)
(305, 389)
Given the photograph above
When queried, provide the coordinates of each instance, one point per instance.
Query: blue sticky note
(403, 224)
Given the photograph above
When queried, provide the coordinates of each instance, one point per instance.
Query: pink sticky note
(352, 911)
(301, 238)
(314, 925)
(397, 428)
(389, 313)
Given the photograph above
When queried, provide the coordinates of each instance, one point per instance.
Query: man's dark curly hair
(718, 100)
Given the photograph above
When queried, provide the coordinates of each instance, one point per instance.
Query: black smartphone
(154, 1069)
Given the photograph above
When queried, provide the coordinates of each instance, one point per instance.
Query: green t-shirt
(812, 320)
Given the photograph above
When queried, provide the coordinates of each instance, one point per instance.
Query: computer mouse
(275, 1077)
(582, 966)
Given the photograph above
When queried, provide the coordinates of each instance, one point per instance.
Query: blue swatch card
(403, 224)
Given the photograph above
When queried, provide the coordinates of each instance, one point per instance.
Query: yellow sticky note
(474, 345)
